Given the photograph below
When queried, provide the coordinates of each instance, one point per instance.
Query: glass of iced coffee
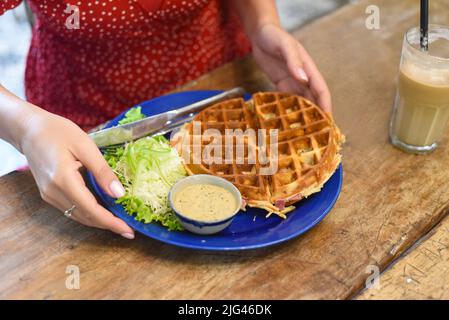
(421, 109)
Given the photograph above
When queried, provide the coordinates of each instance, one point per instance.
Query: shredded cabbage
(147, 168)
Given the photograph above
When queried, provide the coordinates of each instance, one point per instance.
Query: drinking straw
(425, 25)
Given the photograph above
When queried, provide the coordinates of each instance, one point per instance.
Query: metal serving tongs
(159, 123)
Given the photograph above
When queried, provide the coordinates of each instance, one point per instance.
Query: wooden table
(390, 213)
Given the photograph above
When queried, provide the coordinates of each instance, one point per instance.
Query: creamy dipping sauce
(205, 202)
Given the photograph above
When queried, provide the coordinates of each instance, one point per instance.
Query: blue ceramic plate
(250, 229)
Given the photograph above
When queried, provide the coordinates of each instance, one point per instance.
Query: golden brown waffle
(308, 148)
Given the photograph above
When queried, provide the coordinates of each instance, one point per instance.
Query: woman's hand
(288, 64)
(56, 149)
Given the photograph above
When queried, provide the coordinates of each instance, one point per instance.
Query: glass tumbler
(421, 108)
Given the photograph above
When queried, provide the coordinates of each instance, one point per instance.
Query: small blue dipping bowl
(203, 227)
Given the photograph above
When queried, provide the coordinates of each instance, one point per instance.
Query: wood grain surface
(389, 199)
(422, 274)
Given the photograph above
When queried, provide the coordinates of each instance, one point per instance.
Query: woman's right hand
(56, 149)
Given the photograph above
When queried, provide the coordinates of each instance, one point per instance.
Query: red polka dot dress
(89, 60)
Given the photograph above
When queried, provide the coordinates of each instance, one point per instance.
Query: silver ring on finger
(68, 212)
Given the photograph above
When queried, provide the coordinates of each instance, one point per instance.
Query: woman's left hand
(288, 65)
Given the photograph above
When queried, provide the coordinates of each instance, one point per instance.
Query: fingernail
(302, 75)
(129, 236)
(117, 189)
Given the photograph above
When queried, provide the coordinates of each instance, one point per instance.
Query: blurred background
(15, 37)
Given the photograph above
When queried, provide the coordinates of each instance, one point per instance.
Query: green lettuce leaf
(132, 115)
(147, 168)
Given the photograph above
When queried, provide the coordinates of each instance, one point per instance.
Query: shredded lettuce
(147, 168)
